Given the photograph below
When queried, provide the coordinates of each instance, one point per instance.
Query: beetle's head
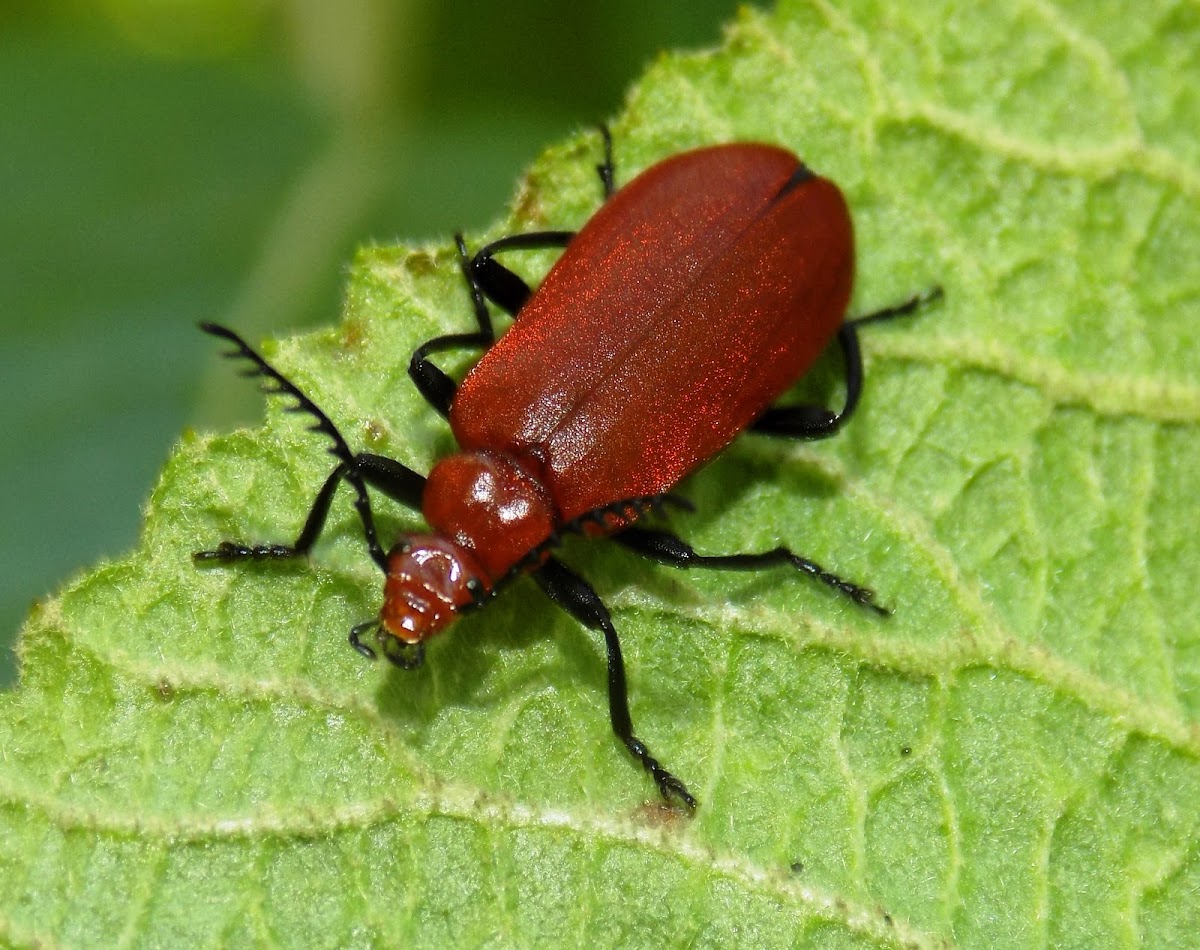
(428, 580)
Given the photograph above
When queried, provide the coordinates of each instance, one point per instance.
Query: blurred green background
(165, 162)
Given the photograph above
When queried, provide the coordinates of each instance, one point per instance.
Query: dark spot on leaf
(658, 815)
(420, 263)
(352, 334)
(528, 206)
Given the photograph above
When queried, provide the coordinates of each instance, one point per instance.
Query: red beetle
(695, 297)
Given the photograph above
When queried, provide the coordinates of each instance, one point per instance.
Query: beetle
(693, 298)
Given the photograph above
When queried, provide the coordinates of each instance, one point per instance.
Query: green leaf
(197, 757)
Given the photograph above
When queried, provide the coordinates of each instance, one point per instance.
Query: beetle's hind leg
(666, 548)
(816, 422)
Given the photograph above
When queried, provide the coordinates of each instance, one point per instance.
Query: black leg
(606, 169)
(489, 277)
(574, 595)
(438, 388)
(501, 286)
(237, 551)
(817, 422)
(903, 309)
(397, 481)
(666, 548)
(606, 519)
(386, 474)
(504, 288)
(486, 279)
